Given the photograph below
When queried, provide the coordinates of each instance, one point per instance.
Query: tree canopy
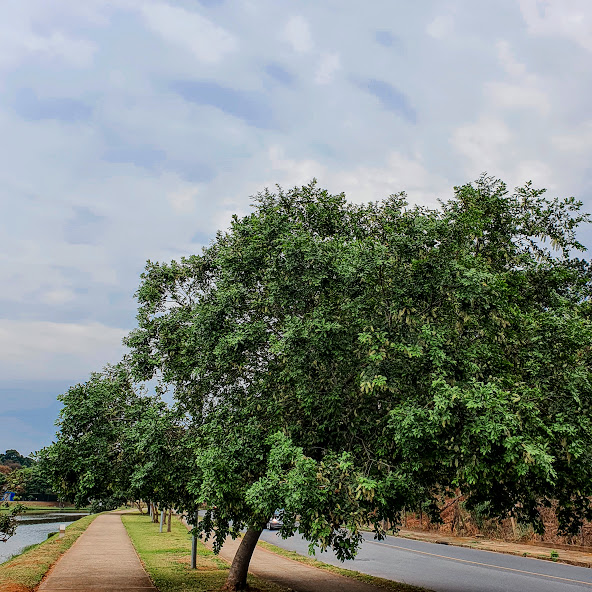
(116, 443)
(344, 361)
(14, 458)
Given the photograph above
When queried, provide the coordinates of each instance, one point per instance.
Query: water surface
(33, 529)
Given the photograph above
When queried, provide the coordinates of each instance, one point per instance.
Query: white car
(275, 522)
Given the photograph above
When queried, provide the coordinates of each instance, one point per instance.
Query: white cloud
(489, 146)
(297, 34)
(364, 183)
(399, 173)
(208, 42)
(47, 350)
(21, 41)
(58, 296)
(517, 96)
(441, 27)
(329, 64)
(532, 170)
(524, 92)
(183, 200)
(508, 61)
(291, 172)
(483, 144)
(571, 19)
(578, 141)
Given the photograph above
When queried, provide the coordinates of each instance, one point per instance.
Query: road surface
(445, 568)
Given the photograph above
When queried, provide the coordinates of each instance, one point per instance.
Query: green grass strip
(166, 557)
(24, 572)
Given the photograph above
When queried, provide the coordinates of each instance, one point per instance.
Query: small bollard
(193, 552)
(62, 530)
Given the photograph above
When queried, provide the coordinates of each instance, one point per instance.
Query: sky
(132, 130)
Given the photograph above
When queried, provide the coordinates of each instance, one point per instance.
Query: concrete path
(102, 559)
(293, 575)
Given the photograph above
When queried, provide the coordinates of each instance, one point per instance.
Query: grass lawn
(25, 571)
(166, 557)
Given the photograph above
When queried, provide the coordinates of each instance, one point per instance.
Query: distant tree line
(346, 362)
(23, 475)
(12, 458)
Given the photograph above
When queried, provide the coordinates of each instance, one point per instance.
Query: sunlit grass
(166, 557)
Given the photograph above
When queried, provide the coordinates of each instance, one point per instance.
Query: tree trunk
(169, 524)
(237, 576)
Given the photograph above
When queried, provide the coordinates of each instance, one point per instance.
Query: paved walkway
(294, 575)
(102, 559)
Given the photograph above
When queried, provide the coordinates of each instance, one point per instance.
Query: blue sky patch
(142, 156)
(29, 106)
(85, 227)
(248, 106)
(385, 38)
(391, 98)
(279, 74)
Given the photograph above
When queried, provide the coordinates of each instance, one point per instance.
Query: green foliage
(115, 443)
(15, 458)
(105, 504)
(344, 361)
(28, 482)
(9, 522)
(163, 461)
(89, 461)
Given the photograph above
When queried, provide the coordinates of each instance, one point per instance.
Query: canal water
(34, 529)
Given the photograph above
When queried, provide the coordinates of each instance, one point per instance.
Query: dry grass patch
(25, 571)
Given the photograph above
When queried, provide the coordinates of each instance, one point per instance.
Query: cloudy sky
(134, 129)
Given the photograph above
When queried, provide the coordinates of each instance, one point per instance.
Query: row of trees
(23, 476)
(12, 459)
(343, 362)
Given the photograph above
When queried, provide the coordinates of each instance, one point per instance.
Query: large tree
(344, 361)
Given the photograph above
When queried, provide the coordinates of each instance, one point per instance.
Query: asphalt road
(445, 568)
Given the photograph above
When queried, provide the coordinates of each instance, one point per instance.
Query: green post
(194, 546)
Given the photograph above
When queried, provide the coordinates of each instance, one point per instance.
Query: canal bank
(24, 572)
(34, 529)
